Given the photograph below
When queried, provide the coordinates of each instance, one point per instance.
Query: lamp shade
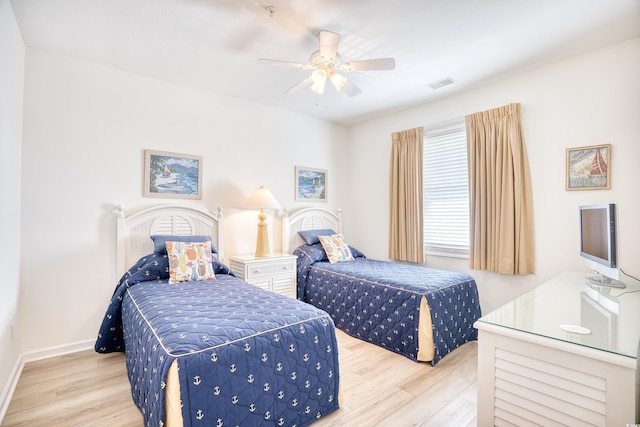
(262, 199)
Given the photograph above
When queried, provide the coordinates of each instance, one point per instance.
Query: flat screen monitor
(598, 243)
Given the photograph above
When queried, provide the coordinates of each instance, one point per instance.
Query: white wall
(85, 129)
(586, 100)
(12, 52)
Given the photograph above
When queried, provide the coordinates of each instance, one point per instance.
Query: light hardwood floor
(379, 388)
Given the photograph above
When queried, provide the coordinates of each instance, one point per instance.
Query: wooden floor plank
(427, 404)
(457, 412)
(378, 387)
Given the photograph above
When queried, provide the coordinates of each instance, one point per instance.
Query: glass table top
(609, 318)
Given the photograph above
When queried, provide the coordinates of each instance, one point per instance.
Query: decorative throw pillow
(335, 247)
(189, 261)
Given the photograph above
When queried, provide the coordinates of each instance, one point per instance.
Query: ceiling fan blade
(301, 84)
(329, 42)
(285, 64)
(369, 65)
(350, 89)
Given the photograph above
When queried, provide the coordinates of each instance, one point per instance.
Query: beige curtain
(501, 207)
(406, 242)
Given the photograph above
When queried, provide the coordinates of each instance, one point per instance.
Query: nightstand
(275, 273)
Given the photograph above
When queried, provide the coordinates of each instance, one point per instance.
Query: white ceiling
(214, 44)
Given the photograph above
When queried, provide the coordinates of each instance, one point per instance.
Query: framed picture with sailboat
(311, 184)
(589, 168)
(172, 175)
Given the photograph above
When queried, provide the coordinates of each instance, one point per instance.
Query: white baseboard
(31, 356)
(60, 350)
(10, 387)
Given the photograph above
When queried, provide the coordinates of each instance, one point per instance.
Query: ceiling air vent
(441, 83)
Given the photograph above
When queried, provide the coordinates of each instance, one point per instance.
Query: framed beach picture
(311, 184)
(589, 168)
(172, 175)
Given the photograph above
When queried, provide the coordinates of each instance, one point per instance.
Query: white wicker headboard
(134, 229)
(307, 219)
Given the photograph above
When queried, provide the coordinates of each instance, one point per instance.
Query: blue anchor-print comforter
(245, 356)
(379, 301)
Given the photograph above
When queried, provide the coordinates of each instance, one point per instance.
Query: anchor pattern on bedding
(245, 356)
(379, 301)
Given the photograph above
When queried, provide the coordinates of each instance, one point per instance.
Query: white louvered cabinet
(532, 372)
(276, 273)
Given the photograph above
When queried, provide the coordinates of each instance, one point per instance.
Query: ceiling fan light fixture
(319, 79)
(338, 81)
(319, 76)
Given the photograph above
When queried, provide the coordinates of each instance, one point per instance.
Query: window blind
(446, 189)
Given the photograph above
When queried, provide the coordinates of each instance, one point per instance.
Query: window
(446, 189)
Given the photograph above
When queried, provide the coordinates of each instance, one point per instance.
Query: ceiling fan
(326, 62)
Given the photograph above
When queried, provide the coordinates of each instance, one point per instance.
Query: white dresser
(275, 273)
(533, 371)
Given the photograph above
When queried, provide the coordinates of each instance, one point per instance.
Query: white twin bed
(418, 312)
(218, 352)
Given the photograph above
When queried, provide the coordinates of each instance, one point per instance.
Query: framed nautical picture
(311, 184)
(589, 168)
(172, 175)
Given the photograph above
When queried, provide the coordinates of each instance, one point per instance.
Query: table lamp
(262, 199)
